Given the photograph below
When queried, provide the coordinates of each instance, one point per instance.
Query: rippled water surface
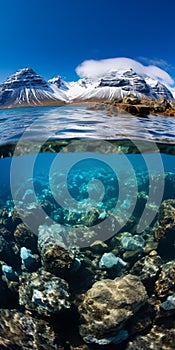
(80, 122)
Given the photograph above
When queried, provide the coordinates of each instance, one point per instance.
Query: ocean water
(92, 170)
(97, 177)
(79, 122)
(61, 184)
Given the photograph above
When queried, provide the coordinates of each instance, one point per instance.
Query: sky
(55, 37)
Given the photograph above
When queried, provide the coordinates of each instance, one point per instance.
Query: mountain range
(27, 88)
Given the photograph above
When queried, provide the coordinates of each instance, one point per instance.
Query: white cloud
(94, 68)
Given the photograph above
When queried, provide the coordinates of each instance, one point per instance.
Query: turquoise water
(61, 186)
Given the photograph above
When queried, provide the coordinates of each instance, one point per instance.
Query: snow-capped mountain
(25, 87)
(59, 82)
(159, 89)
(117, 84)
(173, 92)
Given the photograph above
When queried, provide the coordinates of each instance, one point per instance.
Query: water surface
(79, 122)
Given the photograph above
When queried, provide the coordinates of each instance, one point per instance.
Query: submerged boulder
(24, 237)
(43, 292)
(169, 304)
(108, 305)
(57, 260)
(51, 234)
(22, 331)
(30, 261)
(82, 236)
(55, 256)
(6, 252)
(159, 338)
(148, 269)
(165, 284)
(9, 273)
(132, 242)
(111, 262)
(165, 231)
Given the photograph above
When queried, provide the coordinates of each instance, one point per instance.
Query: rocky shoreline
(136, 106)
(114, 294)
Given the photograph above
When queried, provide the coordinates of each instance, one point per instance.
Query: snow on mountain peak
(25, 78)
(118, 83)
(25, 87)
(99, 68)
(59, 82)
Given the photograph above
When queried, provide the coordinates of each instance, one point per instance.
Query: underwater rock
(6, 219)
(99, 247)
(55, 256)
(169, 304)
(6, 252)
(79, 347)
(9, 219)
(159, 338)
(165, 284)
(51, 234)
(131, 256)
(57, 260)
(6, 234)
(24, 237)
(3, 293)
(9, 273)
(22, 332)
(165, 231)
(30, 261)
(8, 292)
(109, 261)
(151, 245)
(130, 242)
(81, 236)
(117, 339)
(16, 219)
(108, 305)
(93, 216)
(44, 293)
(142, 321)
(148, 268)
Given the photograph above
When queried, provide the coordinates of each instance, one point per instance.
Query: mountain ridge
(27, 88)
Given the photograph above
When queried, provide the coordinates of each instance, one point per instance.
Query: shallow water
(63, 185)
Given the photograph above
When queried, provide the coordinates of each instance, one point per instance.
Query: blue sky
(53, 37)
